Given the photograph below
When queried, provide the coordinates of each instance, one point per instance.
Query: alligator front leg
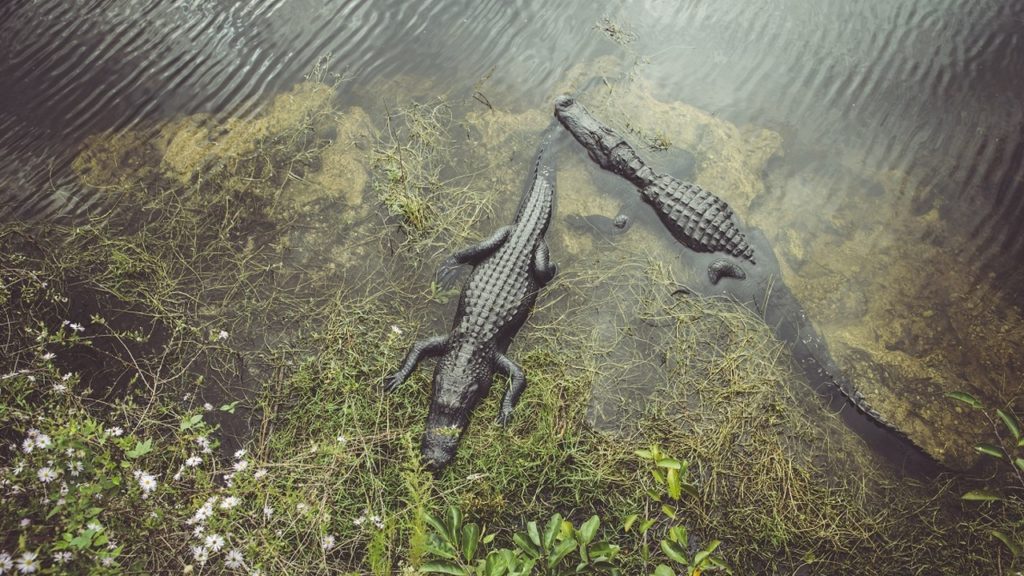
(420, 350)
(472, 255)
(515, 388)
(545, 269)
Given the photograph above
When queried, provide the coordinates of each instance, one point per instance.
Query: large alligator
(723, 247)
(509, 268)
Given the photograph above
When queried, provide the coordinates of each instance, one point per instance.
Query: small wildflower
(342, 439)
(25, 523)
(62, 557)
(268, 511)
(115, 431)
(148, 483)
(66, 377)
(233, 559)
(229, 502)
(198, 531)
(229, 479)
(46, 474)
(177, 475)
(259, 473)
(107, 562)
(5, 562)
(239, 454)
(207, 406)
(60, 388)
(327, 542)
(301, 507)
(222, 335)
(76, 467)
(396, 329)
(377, 521)
(214, 542)
(241, 465)
(76, 327)
(200, 554)
(94, 526)
(193, 461)
(359, 521)
(49, 356)
(42, 441)
(204, 444)
(27, 563)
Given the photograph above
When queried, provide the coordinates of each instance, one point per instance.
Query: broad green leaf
(699, 558)
(454, 525)
(670, 463)
(965, 398)
(628, 523)
(438, 526)
(588, 530)
(141, 449)
(1011, 423)
(190, 421)
(990, 450)
(551, 530)
(675, 488)
(444, 567)
(645, 454)
(229, 408)
(524, 544)
(561, 549)
(1014, 547)
(647, 525)
(678, 534)
(668, 511)
(603, 552)
(83, 540)
(981, 496)
(663, 570)
(470, 539)
(674, 551)
(531, 530)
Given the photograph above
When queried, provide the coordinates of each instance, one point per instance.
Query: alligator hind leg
(420, 350)
(472, 255)
(515, 388)
(545, 269)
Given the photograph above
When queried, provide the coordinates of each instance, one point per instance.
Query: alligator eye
(563, 101)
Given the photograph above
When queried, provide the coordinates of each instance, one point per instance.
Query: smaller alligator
(509, 268)
(696, 217)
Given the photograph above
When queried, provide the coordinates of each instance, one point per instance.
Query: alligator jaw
(439, 446)
(605, 146)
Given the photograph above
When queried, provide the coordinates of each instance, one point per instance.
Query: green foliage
(459, 547)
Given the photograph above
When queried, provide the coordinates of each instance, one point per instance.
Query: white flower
(177, 475)
(377, 521)
(207, 406)
(148, 483)
(327, 542)
(62, 557)
(204, 444)
(241, 465)
(46, 474)
(301, 507)
(396, 329)
(76, 327)
(342, 439)
(42, 441)
(239, 454)
(229, 479)
(27, 563)
(268, 511)
(5, 562)
(107, 562)
(229, 502)
(200, 554)
(25, 523)
(234, 559)
(115, 431)
(214, 542)
(259, 473)
(28, 445)
(76, 467)
(66, 377)
(198, 531)
(32, 432)
(359, 521)
(60, 388)
(94, 526)
(49, 356)
(222, 335)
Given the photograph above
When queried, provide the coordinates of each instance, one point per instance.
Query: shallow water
(880, 146)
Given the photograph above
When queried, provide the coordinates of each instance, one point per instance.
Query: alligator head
(605, 146)
(460, 382)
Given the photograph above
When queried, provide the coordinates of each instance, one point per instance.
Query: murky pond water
(879, 147)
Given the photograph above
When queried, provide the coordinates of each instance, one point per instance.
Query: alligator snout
(564, 101)
(439, 446)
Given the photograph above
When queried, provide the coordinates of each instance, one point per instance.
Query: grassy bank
(191, 382)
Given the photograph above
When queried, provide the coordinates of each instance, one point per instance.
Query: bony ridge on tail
(509, 269)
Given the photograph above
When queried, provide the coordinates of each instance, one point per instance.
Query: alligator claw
(392, 382)
(447, 273)
(504, 417)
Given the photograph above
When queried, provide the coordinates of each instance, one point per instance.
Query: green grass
(191, 293)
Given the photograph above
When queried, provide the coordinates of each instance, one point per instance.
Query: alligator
(509, 269)
(724, 247)
(696, 217)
